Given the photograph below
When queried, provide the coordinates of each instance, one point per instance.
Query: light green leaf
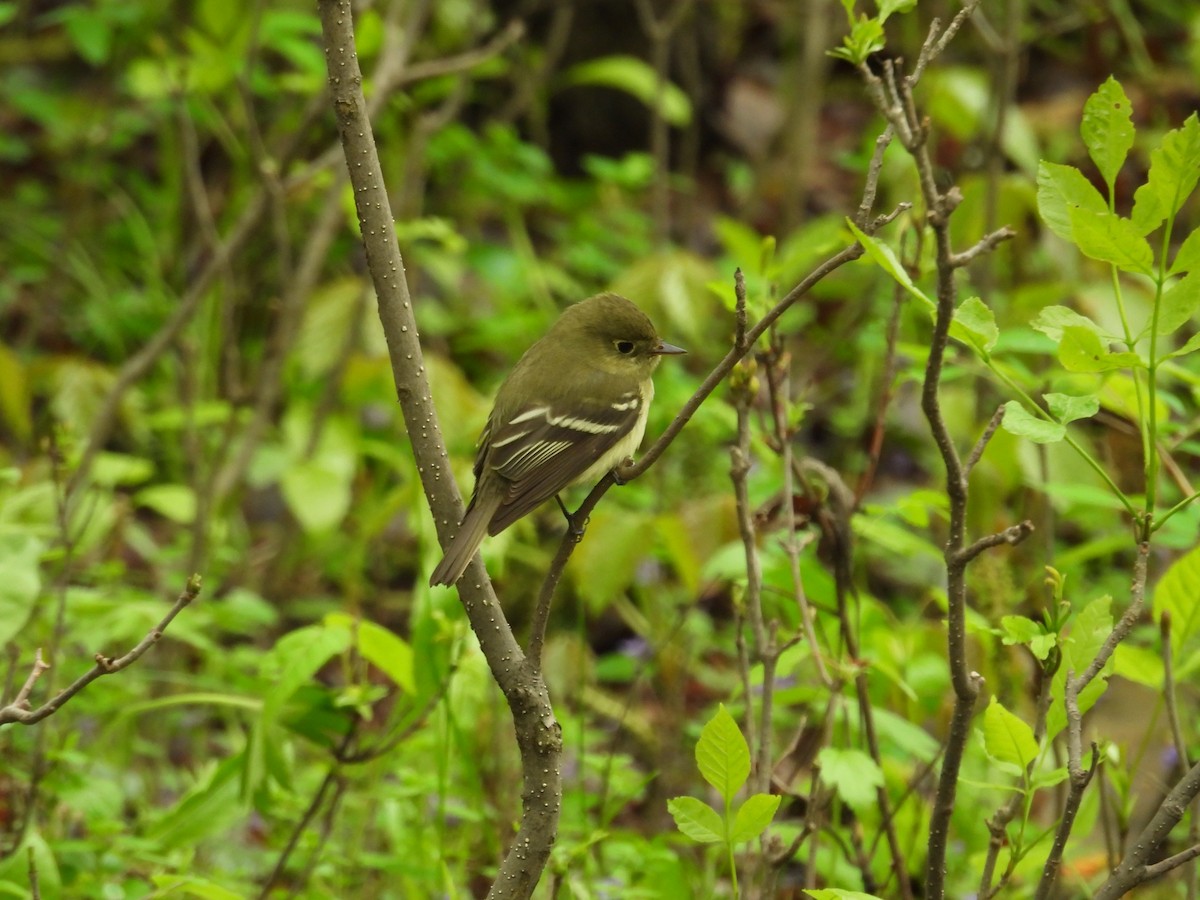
(1179, 303)
(195, 887)
(1053, 319)
(1187, 259)
(1067, 408)
(1081, 350)
(1177, 593)
(697, 820)
(865, 38)
(380, 647)
(753, 817)
(1061, 189)
(636, 78)
(1192, 344)
(1022, 630)
(976, 325)
(852, 773)
(1107, 128)
(722, 754)
(1111, 239)
(1007, 738)
(1174, 171)
(887, 8)
(20, 581)
(317, 494)
(1085, 635)
(838, 894)
(1139, 665)
(176, 502)
(886, 259)
(1019, 421)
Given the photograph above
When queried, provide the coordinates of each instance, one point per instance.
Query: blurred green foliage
(317, 690)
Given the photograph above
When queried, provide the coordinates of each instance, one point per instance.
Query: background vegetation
(193, 379)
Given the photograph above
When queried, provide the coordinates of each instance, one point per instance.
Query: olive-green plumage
(573, 407)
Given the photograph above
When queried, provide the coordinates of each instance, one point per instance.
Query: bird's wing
(541, 450)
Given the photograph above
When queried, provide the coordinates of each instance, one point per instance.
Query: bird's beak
(665, 349)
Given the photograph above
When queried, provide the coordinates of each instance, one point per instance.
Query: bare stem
(19, 711)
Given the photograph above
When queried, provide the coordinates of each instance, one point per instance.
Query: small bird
(572, 409)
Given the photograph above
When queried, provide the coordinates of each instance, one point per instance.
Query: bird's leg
(574, 527)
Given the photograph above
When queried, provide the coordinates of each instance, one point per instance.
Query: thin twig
(976, 453)
(19, 711)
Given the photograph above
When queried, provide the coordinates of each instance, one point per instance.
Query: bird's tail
(464, 544)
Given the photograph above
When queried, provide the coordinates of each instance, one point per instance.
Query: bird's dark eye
(625, 347)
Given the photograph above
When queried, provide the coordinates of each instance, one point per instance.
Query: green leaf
(722, 754)
(1187, 259)
(20, 581)
(886, 259)
(1179, 303)
(697, 820)
(976, 325)
(753, 817)
(380, 647)
(865, 38)
(199, 888)
(1174, 171)
(1107, 128)
(1139, 665)
(317, 494)
(210, 806)
(1192, 344)
(852, 773)
(1067, 408)
(888, 8)
(1007, 738)
(176, 502)
(1019, 421)
(1022, 630)
(1081, 350)
(1177, 594)
(1087, 632)
(1060, 190)
(1111, 239)
(838, 894)
(634, 77)
(295, 659)
(1053, 319)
